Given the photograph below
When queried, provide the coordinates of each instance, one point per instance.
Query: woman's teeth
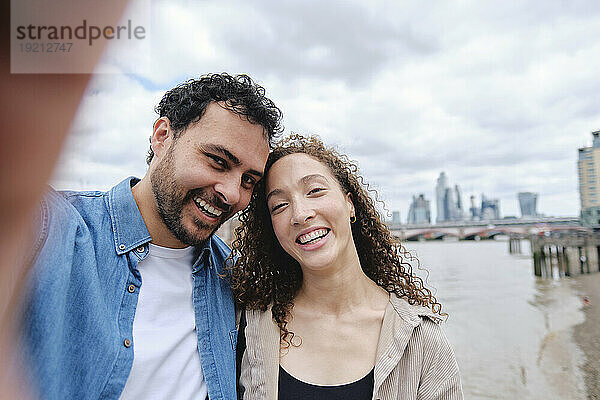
(312, 236)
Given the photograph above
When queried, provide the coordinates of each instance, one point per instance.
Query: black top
(291, 388)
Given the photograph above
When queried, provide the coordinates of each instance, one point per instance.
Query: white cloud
(499, 95)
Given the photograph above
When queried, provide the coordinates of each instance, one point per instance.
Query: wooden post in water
(559, 261)
(549, 272)
(513, 245)
(537, 263)
(587, 259)
(551, 260)
(544, 262)
(565, 256)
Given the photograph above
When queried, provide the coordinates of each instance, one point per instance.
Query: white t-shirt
(166, 363)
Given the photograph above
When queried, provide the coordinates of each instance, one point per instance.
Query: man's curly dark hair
(264, 274)
(186, 103)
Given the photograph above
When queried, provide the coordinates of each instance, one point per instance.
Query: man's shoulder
(66, 203)
(91, 205)
(60, 214)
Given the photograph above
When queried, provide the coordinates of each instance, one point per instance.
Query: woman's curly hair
(264, 274)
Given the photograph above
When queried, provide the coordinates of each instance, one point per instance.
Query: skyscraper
(448, 201)
(396, 217)
(419, 211)
(459, 210)
(440, 195)
(528, 204)
(490, 208)
(474, 211)
(588, 166)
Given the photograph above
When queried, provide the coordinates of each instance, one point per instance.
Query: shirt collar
(129, 229)
(203, 255)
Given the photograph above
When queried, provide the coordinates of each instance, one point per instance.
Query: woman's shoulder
(414, 314)
(425, 330)
(263, 318)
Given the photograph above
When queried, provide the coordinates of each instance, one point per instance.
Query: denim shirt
(83, 291)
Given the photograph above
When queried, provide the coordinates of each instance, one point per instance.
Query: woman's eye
(315, 190)
(277, 206)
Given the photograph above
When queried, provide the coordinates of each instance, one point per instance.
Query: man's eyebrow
(215, 148)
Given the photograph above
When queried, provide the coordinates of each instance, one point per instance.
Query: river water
(511, 332)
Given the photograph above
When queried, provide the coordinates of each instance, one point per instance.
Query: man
(126, 297)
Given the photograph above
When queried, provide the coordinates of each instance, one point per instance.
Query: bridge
(476, 230)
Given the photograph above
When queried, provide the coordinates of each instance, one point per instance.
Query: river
(512, 333)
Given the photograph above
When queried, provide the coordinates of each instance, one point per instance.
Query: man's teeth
(316, 234)
(207, 208)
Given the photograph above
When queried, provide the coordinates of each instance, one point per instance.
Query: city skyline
(451, 200)
(482, 90)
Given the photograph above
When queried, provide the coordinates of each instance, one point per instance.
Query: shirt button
(131, 288)
(127, 343)
(140, 249)
(121, 247)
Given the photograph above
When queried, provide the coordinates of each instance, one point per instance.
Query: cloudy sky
(499, 95)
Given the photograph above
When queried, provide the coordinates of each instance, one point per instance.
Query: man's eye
(248, 181)
(315, 190)
(218, 160)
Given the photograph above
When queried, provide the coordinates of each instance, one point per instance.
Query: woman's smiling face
(309, 211)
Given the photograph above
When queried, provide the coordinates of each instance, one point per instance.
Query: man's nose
(229, 190)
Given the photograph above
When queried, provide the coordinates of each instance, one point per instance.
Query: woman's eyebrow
(273, 193)
(308, 178)
(304, 180)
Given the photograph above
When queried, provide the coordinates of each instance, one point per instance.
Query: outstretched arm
(36, 112)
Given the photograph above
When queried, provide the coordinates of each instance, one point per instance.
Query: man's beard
(171, 199)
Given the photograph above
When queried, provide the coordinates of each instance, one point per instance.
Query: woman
(332, 308)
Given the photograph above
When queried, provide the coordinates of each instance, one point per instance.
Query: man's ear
(162, 137)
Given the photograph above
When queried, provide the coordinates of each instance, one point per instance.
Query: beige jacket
(414, 359)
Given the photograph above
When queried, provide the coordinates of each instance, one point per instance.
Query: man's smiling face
(208, 173)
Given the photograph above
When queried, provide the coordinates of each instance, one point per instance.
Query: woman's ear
(351, 205)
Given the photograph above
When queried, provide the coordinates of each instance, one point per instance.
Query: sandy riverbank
(587, 334)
